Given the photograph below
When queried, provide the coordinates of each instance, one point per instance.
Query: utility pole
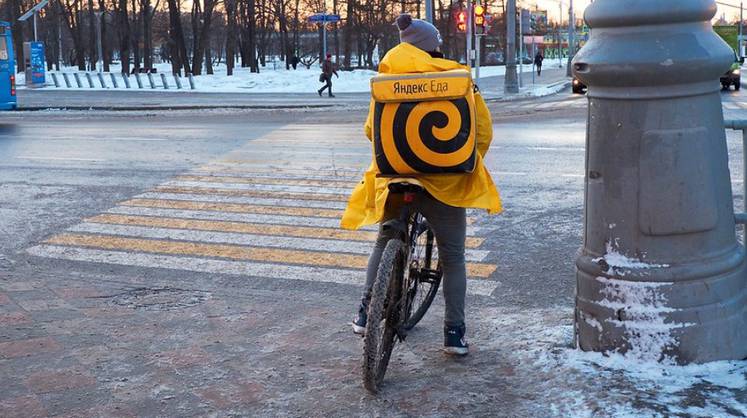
(741, 28)
(560, 36)
(60, 61)
(571, 38)
(510, 84)
(521, 48)
(470, 30)
(477, 48)
(429, 11)
(100, 61)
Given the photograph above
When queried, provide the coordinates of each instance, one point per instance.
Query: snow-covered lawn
(273, 78)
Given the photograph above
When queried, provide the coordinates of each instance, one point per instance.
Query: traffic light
(479, 19)
(461, 21)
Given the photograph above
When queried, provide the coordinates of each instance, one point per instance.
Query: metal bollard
(77, 80)
(102, 81)
(164, 82)
(177, 81)
(139, 81)
(54, 79)
(90, 80)
(126, 80)
(191, 81)
(67, 80)
(661, 274)
(150, 81)
(114, 80)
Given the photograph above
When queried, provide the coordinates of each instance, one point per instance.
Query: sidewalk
(553, 79)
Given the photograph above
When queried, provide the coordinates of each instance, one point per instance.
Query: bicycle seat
(405, 185)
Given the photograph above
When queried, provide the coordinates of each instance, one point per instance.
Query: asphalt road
(188, 263)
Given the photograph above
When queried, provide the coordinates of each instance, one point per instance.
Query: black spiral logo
(426, 137)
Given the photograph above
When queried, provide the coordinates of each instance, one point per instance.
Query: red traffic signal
(461, 21)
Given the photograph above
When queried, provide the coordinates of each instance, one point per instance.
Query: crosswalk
(269, 209)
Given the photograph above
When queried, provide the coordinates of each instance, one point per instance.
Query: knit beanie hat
(418, 33)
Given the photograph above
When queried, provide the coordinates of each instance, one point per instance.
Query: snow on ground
(273, 78)
(573, 383)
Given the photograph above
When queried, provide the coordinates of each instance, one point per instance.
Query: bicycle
(405, 284)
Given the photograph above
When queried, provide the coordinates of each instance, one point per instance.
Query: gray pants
(449, 225)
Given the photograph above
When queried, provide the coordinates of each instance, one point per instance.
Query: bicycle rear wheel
(422, 278)
(383, 315)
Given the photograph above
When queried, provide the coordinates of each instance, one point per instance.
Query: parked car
(578, 86)
(733, 77)
(495, 58)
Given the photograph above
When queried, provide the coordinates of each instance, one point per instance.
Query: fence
(98, 80)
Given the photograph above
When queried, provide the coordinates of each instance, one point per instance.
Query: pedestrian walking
(538, 62)
(328, 68)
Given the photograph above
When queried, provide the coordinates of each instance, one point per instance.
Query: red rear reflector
(12, 85)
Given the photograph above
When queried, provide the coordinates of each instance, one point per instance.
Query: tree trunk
(180, 60)
(106, 54)
(252, 32)
(230, 35)
(136, 37)
(348, 34)
(336, 33)
(124, 36)
(92, 55)
(202, 40)
(208, 60)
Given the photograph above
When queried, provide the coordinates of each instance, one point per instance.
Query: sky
(552, 7)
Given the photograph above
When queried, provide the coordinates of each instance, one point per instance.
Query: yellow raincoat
(475, 190)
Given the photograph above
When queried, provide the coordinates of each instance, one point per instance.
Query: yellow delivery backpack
(424, 123)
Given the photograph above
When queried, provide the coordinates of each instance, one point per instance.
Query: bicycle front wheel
(383, 315)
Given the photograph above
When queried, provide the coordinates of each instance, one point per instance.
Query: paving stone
(29, 347)
(22, 407)
(59, 380)
(13, 318)
(43, 304)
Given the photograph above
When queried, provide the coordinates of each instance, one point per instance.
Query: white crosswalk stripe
(251, 214)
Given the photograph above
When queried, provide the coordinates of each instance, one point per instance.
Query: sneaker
(320, 93)
(331, 95)
(454, 342)
(359, 324)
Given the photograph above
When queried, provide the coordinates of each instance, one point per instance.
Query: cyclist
(447, 194)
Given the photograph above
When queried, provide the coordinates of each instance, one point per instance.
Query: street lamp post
(661, 274)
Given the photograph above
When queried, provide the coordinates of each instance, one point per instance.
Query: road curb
(169, 107)
(562, 85)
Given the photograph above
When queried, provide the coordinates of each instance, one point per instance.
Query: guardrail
(62, 79)
(741, 125)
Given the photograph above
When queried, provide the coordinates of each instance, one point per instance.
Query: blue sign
(37, 63)
(324, 18)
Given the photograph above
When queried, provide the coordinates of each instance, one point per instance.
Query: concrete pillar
(510, 80)
(661, 274)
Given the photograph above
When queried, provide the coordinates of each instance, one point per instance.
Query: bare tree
(202, 15)
(179, 57)
(231, 35)
(123, 33)
(72, 12)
